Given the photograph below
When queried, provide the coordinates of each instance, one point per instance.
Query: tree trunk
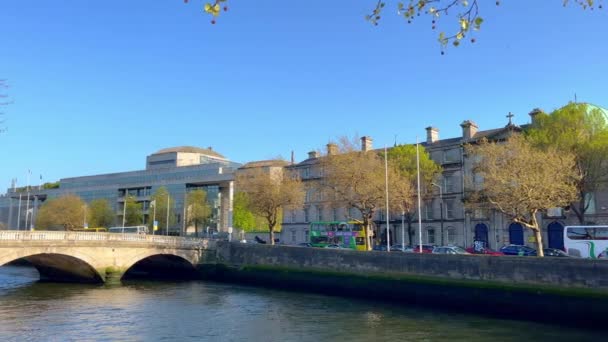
(410, 231)
(196, 228)
(539, 242)
(271, 233)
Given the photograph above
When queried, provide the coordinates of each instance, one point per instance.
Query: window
(554, 212)
(293, 216)
(430, 236)
(451, 235)
(428, 210)
(590, 202)
(334, 214)
(306, 213)
(451, 156)
(480, 213)
(477, 181)
(305, 172)
(319, 213)
(293, 236)
(449, 183)
(449, 209)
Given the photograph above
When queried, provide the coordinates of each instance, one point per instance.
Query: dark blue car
(518, 250)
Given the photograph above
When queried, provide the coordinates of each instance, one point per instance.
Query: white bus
(129, 230)
(586, 241)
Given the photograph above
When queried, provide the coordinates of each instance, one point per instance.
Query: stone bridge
(102, 257)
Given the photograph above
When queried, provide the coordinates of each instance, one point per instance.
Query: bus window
(586, 241)
(129, 230)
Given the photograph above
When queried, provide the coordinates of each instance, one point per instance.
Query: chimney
(469, 129)
(313, 154)
(292, 158)
(332, 149)
(432, 134)
(534, 113)
(366, 143)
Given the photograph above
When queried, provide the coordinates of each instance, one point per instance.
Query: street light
(441, 208)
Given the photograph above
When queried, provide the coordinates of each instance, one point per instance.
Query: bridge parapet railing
(174, 241)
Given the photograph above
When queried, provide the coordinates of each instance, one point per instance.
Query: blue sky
(98, 85)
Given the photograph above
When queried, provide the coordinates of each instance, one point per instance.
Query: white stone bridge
(102, 257)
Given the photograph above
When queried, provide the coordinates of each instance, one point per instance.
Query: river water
(207, 311)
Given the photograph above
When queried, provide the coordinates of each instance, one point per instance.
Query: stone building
(445, 220)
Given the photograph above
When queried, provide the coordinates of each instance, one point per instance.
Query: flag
(30, 211)
(153, 203)
(40, 185)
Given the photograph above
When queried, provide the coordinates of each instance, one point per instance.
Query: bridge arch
(58, 266)
(160, 264)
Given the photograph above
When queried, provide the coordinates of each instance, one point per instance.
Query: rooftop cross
(510, 115)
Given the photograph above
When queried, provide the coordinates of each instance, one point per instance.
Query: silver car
(449, 250)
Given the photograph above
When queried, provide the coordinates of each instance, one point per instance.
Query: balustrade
(173, 241)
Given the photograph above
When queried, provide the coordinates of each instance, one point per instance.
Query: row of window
(136, 192)
(333, 214)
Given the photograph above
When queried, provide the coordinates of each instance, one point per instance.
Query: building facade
(444, 218)
(179, 170)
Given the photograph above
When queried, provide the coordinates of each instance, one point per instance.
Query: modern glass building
(179, 170)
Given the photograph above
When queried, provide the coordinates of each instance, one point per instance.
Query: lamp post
(441, 208)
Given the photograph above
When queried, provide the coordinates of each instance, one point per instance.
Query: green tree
(133, 212)
(522, 181)
(67, 211)
(242, 217)
(270, 191)
(158, 209)
(582, 130)
(198, 210)
(403, 194)
(101, 213)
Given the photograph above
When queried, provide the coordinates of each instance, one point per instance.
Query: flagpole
(154, 219)
(388, 231)
(124, 209)
(167, 214)
(19, 213)
(419, 205)
(27, 203)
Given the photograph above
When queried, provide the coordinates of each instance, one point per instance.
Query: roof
(190, 149)
(265, 163)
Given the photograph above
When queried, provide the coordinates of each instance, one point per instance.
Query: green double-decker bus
(345, 234)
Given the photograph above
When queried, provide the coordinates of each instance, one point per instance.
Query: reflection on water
(202, 311)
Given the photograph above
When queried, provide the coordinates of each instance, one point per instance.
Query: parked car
(518, 250)
(485, 251)
(554, 252)
(335, 246)
(425, 249)
(400, 248)
(379, 248)
(449, 250)
(304, 244)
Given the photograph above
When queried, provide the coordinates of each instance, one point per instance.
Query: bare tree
(522, 181)
(270, 191)
(465, 14)
(4, 101)
(354, 179)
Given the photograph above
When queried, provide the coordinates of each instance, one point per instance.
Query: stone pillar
(113, 275)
